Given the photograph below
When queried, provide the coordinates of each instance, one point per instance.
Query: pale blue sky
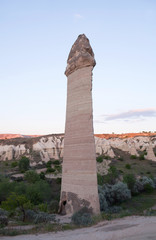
(35, 40)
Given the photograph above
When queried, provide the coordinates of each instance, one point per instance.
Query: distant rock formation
(150, 154)
(9, 136)
(132, 149)
(42, 149)
(39, 149)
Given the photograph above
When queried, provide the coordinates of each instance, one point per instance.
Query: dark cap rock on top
(81, 55)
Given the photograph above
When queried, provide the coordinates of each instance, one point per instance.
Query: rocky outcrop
(102, 168)
(9, 152)
(79, 179)
(80, 56)
(38, 150)
(51, 146)
(150, 153)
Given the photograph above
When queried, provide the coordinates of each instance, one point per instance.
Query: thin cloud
(78, 16)
(139, 114)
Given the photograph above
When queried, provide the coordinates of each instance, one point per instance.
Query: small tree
(112, 175)
(24, 164)
(5, 187)
(14, 201)
(130, 180)
(31, 176)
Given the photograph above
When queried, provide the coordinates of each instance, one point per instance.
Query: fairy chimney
(79, 177)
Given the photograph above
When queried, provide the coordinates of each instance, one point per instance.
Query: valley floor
(128, 228)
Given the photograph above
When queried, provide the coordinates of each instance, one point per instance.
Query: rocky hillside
(9, 136)
(44, 148)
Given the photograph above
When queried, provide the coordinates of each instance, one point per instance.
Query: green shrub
(39, 192)
(3, 218)
(48, 164)
(141, 157)
(53, 206)
(148, 188)
(113, 194)
(146, 180)
(142, 185)
(14, 201)
(3, 221)
(39, 217)
(128, 166)
(14, 164)
(20, 188)
(43, 207)
(99, 159)
(31, 176)
(82, 217)
(24, 164)
(106, 157)
(56, 162)
(154, 181)
(113, 209)
(112, 175)
(50, 170)
(58, 168)
(120, 192)
(145, 152)
(5, 188)
(130, 180)
(43, 217)
(100, 179)
(3, 212)
(30, 215)
(133, 157)
(42, 175)
(102, 198)
(58, 180)
(34, 195)
(120, 159)
(113, 170)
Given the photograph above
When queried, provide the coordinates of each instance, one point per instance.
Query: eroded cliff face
(42, 149)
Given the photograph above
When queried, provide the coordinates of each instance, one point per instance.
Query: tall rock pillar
(79, 177)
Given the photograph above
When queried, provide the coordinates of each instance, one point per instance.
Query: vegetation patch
(24, 164)
(99, 159)
(128, 166)
(82, 218)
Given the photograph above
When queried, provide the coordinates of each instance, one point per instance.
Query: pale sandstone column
(79, 177)
(150, 153)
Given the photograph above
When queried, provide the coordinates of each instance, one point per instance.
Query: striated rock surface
(79, 178)
(80, 56)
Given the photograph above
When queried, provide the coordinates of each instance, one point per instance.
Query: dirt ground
(129, 228)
